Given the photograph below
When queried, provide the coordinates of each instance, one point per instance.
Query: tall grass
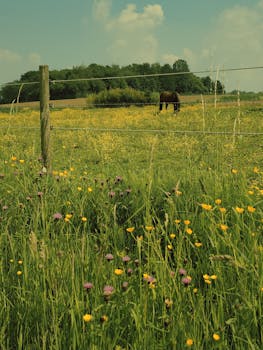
(137, 240)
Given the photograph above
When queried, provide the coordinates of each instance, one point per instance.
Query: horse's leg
(161, 106)
(166, 105)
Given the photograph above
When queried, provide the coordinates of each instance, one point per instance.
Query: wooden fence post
(44, 117)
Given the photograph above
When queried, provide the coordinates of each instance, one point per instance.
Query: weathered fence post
(44, 117)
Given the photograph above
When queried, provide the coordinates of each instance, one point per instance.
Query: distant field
(146, 234)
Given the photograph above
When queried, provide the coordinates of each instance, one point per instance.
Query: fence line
(157, 131)
(137, 76)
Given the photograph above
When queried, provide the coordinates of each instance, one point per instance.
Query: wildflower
(195, 290)
(178, 193)
(89, 189)
(222, 210)
(256, 170)
(149, 228)
(57, 216)
(189, 231)
(40, 194)
(87, 317)
(216, 336)
(20, 262)
(125, 285)
(126, 259)
(19, 273)
(79, 188)
(198, 244)
(218, 201)
(129, 272)
(223, 227)
(109, 257)
(11, 260)
(187, 222)
(250, 192)
(88, 286)
(104, 318)
(234, 171)
(13, 158)
(84, 219)
(149, 278)
(172, 235)
(207, 207)
(182, 272)
(186, 281)
(21, 161)
(169, 247)
(251, 209)
(239, 210)
(107, 292)
(206, 277)
(177, 221)
(213, 277)
(118, 272)
(189, 342)
(168, 303)
(130, 229)
(111, 194)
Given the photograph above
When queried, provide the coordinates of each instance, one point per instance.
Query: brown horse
(170, 97)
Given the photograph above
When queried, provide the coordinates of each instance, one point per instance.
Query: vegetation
(138, 239)
(183, 83)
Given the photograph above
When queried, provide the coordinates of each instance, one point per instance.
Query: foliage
(117, 97)
(136, 240)
(182, 83)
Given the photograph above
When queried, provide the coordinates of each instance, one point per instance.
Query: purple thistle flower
(129, 272)
(182, 272)
(57, 216)
(111, 194)
(126, 259)
(108, 290)
(88, 286)
(125, 285)
(186, 281)
(109, 256)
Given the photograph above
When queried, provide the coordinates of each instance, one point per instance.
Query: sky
(209, 35)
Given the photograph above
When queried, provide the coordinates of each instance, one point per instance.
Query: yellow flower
(250, 192)
(13, 158)
(206, 277)
(208, 282)
(149, 228)
(118, 272)
(21, 161)
(223, 227)
(178, 193)
(68, 216)
(256, 170)
(177, 221)
(216, 336)
(20, 262)
(198, 244)
(195, 290)
(239, 210)
(170, 247)
(213, 277)
(187, 222)
(89, 189)
(189, 342)
(130, 229)
(206, 206)
(218, 201)
(189, 231)
(84, 219)
(251, 209)
(104, 318)
(234, 171)
(19, 273)
(79, 188)
(222, 210)
(172, 235)
(87, 317)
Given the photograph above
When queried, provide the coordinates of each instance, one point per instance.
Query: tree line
(183, 83)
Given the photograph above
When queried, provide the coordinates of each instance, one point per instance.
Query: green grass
(105, 182)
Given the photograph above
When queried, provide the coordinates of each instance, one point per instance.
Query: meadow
(147, 233)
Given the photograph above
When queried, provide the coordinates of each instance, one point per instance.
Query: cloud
(9, 56)
(234, 41)
(101, 9)
(131, 20)
(169, 58)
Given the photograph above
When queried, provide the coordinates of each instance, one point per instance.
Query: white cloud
(131, 20)
(9, 56)
(101, 9)
(169, 58)
(234, 41)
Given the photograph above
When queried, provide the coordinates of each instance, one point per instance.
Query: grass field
(146, 235)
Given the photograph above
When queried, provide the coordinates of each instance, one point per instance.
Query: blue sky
(208, 34)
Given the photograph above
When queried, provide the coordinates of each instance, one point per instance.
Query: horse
(170, 97)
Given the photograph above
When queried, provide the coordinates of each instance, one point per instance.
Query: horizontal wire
(137, 76)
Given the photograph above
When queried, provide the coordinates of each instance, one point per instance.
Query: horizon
(213, 37)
